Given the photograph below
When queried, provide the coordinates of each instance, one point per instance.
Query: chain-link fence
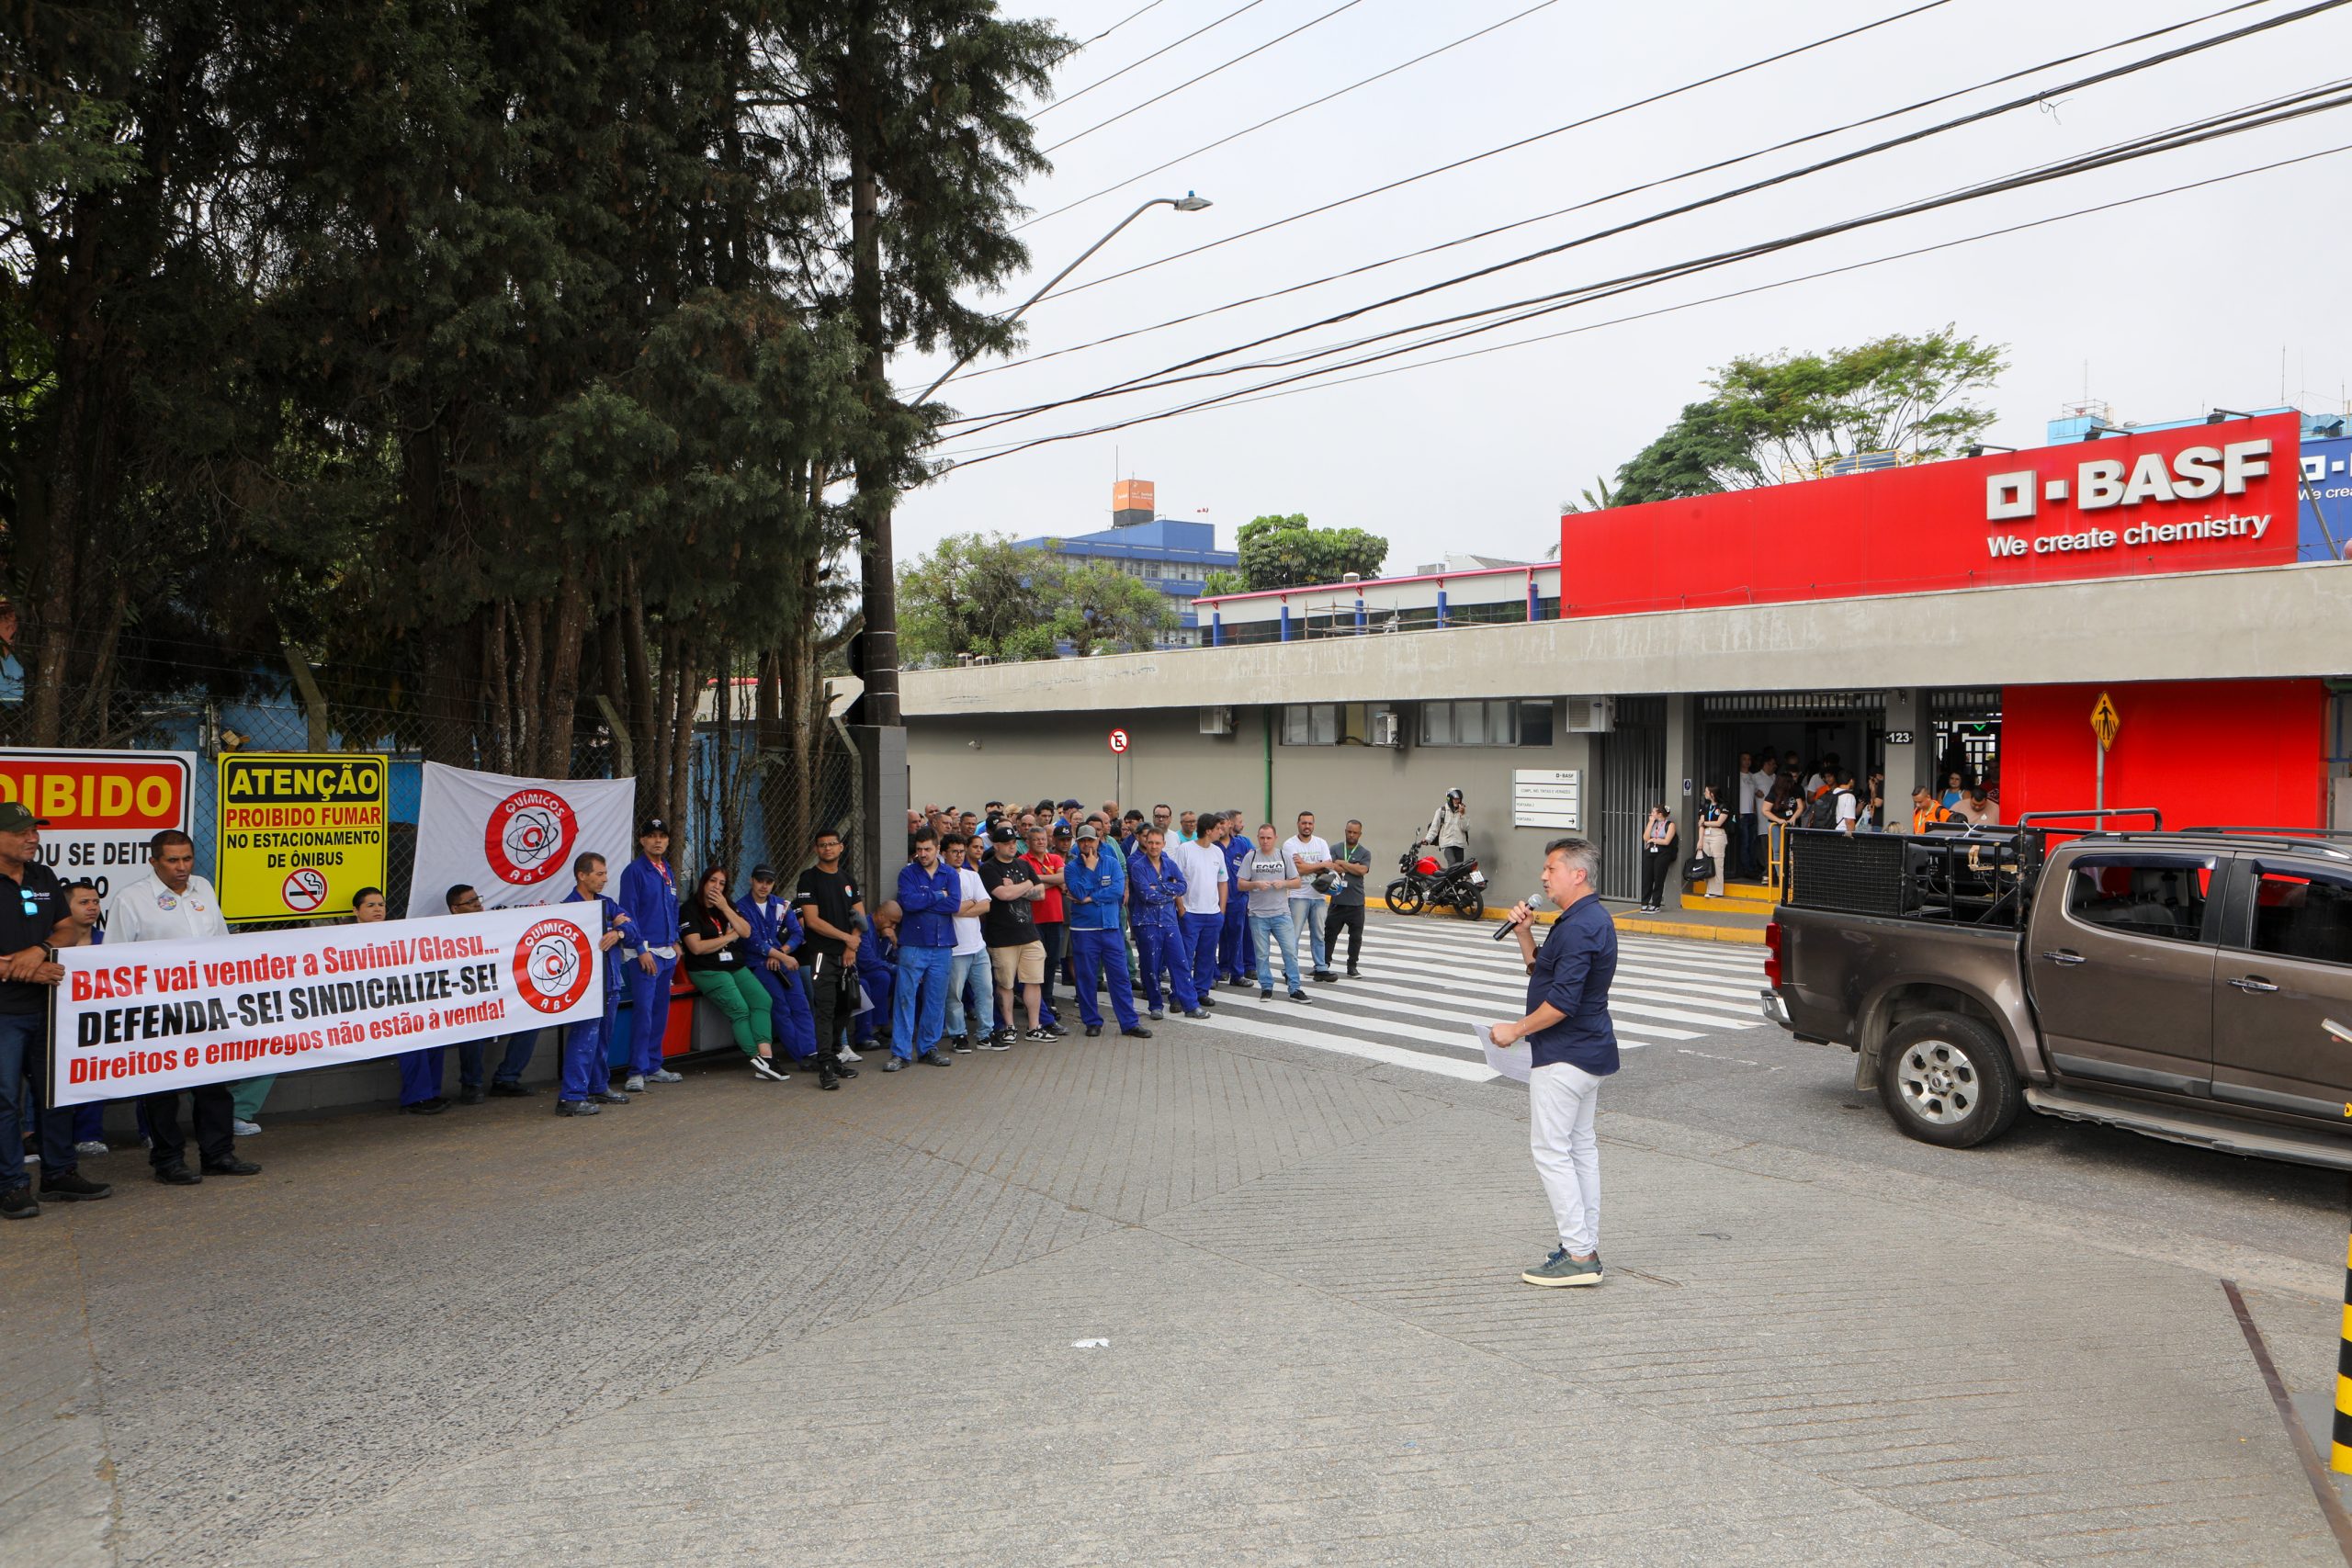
(755, 789)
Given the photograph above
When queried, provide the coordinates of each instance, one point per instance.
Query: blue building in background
(2325, 527)
(1174, 558)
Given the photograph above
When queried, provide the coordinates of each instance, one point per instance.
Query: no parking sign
(1118, 743)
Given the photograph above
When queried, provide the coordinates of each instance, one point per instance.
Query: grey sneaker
(242, 1128)
(633, 1083)
(1561, 1270)
(663, 1075)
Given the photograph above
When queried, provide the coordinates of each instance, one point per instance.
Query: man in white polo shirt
(1203, 864)
(1309, 856)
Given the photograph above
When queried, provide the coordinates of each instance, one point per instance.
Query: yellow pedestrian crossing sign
(2106, 721)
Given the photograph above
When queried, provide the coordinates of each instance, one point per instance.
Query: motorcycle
(1429, 883)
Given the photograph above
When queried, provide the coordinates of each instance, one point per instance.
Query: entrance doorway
(1821, 729)
(1629, 769)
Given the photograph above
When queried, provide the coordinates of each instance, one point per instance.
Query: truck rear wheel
(1946, 1080)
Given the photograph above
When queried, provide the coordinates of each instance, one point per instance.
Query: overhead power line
(1005, 447)
(1221, 66)
(1558, 212)
(1568, 300)
(1170, 375)
(1164, 48)
(1106, 32)
(1271, 119)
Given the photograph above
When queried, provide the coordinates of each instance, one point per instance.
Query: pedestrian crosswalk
(1425, 982)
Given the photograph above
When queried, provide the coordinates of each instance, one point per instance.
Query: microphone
(1508, 926)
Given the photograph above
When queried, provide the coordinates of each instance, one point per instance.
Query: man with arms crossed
(1574, 1047)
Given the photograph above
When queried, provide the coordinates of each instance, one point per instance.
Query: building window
(1310, 724)
(1499, 721)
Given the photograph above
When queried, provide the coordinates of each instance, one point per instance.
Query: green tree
(1223, 582)
(1097, 606)
(1782, 416)
(1288, 552)
(971, 594)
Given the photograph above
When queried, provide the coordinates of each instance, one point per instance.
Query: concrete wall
(2260, 623)
(966, 761)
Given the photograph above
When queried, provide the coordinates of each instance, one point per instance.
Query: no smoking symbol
(305, 889)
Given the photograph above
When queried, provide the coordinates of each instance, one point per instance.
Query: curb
(1751, 936)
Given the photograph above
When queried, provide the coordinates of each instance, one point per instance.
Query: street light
(2218, 415)
(1190, 201)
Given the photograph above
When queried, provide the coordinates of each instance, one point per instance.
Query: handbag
(1700, 868)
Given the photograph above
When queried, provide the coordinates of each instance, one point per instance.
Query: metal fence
(744, 803)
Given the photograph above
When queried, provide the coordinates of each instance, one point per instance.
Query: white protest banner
(134, 1018)
(512, 840)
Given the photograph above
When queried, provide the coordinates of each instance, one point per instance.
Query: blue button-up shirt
(651, 900)
(1573, 972)
(1156, 891)
(616, 919)
(927, 903)
(1093, 897)
(1237, 851)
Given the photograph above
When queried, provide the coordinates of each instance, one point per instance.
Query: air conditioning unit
(1591, 715)
(1216, 721)
(1388, 729)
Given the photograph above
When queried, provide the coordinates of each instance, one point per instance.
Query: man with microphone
(1574, 1046)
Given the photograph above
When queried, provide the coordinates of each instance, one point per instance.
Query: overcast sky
(2162, 309)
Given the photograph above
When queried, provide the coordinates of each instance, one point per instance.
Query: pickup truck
(2194, 986)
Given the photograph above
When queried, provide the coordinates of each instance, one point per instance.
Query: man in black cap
(649, 898)
(31, 903)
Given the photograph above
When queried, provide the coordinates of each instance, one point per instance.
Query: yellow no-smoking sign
(299, 833)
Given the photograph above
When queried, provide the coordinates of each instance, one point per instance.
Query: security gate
(1629, 763)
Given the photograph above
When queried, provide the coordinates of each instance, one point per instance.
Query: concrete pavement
(755, 1324)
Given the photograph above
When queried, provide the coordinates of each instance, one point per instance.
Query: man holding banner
(649, 898)
(171, 903)
(31, 903)
(587, 1085)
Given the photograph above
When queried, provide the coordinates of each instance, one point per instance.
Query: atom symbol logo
(552, 965)
(529, 836)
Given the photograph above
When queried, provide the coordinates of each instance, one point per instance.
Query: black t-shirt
(1009, 923)
(703, 921)
(836, 895)
(30, 908)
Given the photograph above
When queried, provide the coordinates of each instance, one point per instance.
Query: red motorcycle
(1429, 882)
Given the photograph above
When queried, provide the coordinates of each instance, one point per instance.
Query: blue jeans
(1201, 935)
(970, 972)
(1302, 912)
(585, 1070)
(1285, 937)
(1096, 953)
(1158, 947)
(920, 1012)
(24, 1068)
(649, 1002)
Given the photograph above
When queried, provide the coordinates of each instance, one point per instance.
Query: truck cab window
(2157, 896)
(2302, 917)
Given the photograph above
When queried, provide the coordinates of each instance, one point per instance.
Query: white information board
(1547, 797)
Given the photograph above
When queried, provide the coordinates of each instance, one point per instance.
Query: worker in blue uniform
(650, 897)
(877, 974)
(586, 1082)
(1094, 890)
(1155, 911)
(768, 958)
(1236, 959)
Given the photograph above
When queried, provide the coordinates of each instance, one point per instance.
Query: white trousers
(1567, 1156)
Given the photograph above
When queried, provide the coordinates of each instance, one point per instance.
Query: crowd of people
(1000, 921)
(1740, 828)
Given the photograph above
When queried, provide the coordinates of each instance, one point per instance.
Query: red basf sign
(2196, 498)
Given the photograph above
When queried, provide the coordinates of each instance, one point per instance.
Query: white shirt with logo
(1296, 849)
(146, 910)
